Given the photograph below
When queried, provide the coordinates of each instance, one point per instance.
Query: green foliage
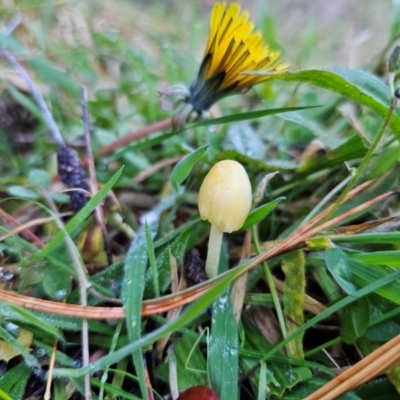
(314, 126)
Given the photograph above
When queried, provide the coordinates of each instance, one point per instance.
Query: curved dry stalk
(179, 299)
(139, 134)
(366, 369)
(21, 228)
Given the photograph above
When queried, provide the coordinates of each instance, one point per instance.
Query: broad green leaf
(39, 177)
(301, 391)
(336, 262)
(383, 332)
(57, 284)
(259, 213)
(190, 362)
(378, 389)
(182, 170)
(22, 191)
(308, 123)
(358, 85)
(355, 320)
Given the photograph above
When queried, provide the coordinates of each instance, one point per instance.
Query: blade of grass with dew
(61, 358)
(132, 294)
(9, 311)
(185, 166)
(190, 313)
(152, 258)
(223, 348)
(112, 348)
(30, 318)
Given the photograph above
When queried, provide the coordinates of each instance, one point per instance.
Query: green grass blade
(132, 295)
(82, 214)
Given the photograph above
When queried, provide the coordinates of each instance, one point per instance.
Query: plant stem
(214, 251)
(364, 161)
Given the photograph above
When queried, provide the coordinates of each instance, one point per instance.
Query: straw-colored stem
(214, 251)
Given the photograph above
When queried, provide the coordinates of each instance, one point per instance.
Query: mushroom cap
(225, 196)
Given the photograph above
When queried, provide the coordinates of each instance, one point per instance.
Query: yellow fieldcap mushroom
(225, 201)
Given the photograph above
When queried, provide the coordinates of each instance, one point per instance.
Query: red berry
(200, 392)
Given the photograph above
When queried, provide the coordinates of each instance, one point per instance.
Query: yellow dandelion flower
(232, 48)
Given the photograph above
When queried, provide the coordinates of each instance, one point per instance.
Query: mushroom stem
(214, 251)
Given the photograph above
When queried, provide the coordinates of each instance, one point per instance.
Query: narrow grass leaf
(14, 381)
(262, 384)
(391, 258)
(132, 295)
(259, 213)
(223, 351)
(30, 318)
(368, 238)
(184, 166)
(20, 348)
(177, 249)
(250, 115)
